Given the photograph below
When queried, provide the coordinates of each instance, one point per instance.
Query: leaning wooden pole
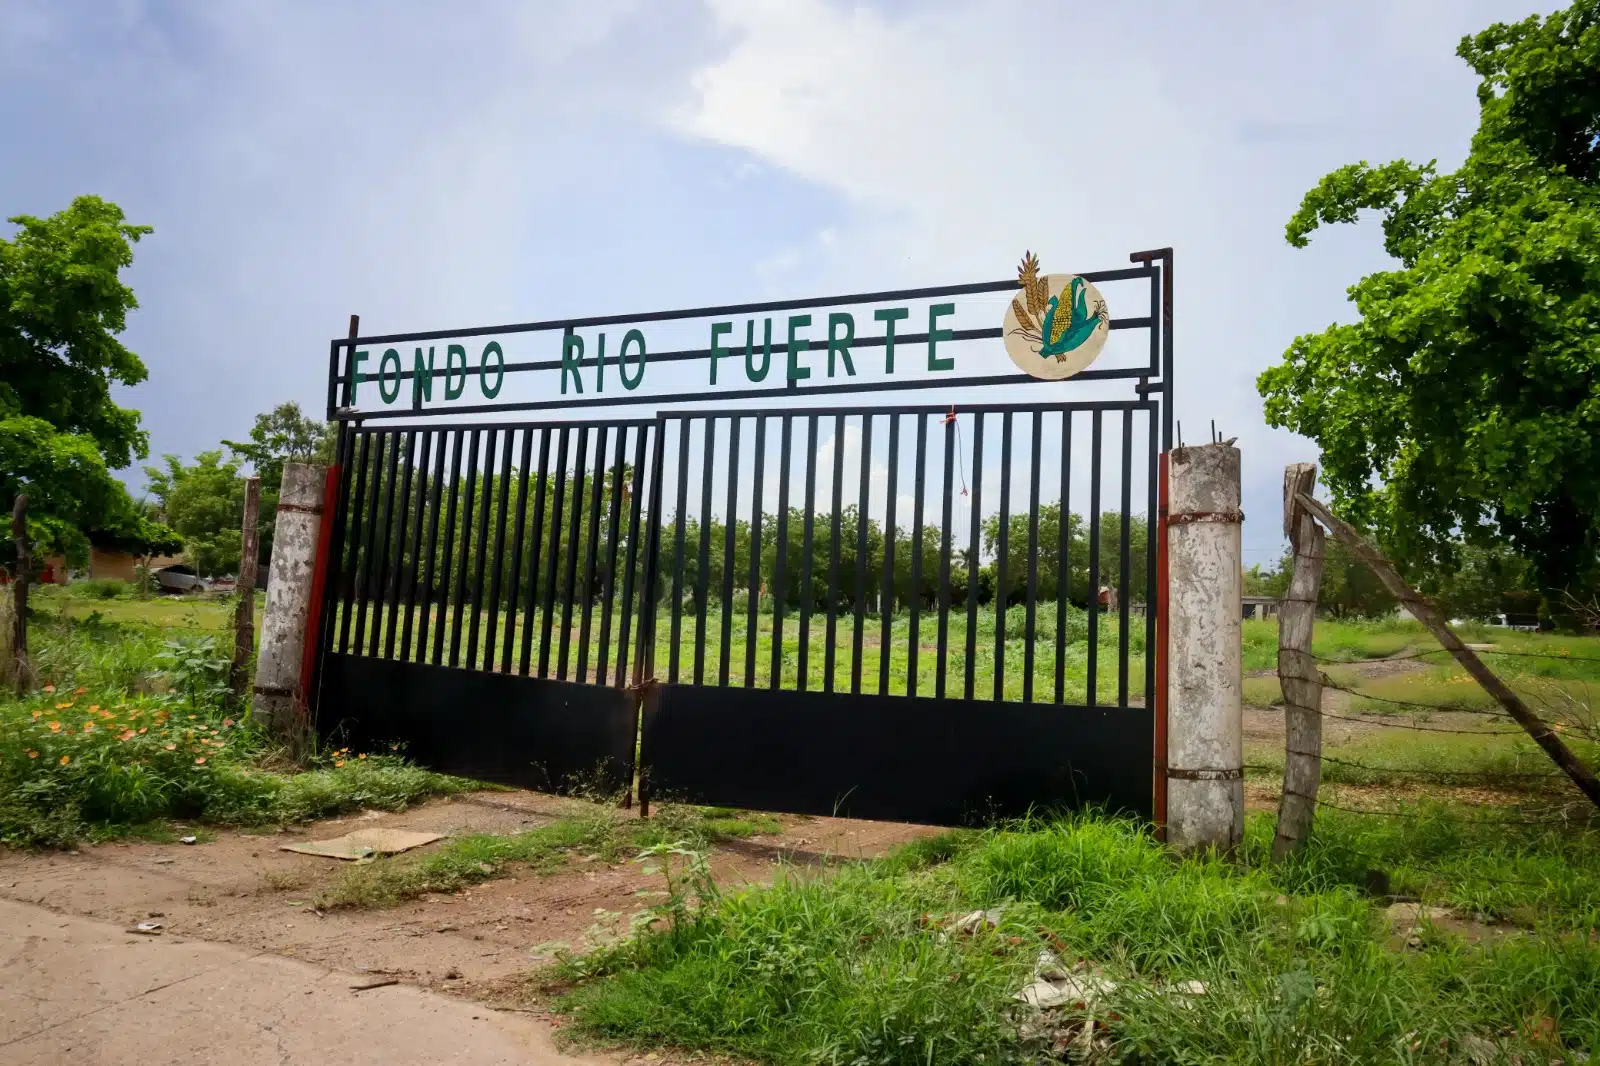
(244, 613)
(23, 676)
(1429, 616)
(1297, 669)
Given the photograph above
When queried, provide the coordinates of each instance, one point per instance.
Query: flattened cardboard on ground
(365, 843)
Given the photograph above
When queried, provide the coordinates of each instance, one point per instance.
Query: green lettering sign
(935, 335)
(841, 343)
(750, 370)
(600, 366)
(889, 316)
(421, 378)
(356, 376)
(622, 360)
(796, 371)
(389, 396)
(571, 354)
(717, 351)
(492, 348)
(454, 387)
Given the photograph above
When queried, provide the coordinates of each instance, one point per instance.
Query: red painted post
(319, 580)
(1160, 782)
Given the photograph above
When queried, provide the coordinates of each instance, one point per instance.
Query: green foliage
(1463, 401)
(864, 965)
(62, 303)
(281, 435)
(204, 502)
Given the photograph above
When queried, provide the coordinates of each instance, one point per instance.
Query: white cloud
(961, 134)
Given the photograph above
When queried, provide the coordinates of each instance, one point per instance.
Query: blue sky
(429, 165)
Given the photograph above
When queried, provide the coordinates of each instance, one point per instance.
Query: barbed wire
(1444, 707)
(1476, 820)
(1486, 775)
(1425, 728)
(1421, 652)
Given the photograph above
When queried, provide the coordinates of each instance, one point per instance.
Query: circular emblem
(1057, 325)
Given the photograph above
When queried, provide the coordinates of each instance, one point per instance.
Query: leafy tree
(281, 435)
(1464, 405)
(62, 303)
(203, 503)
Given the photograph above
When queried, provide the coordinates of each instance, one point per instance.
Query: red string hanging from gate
(961, 455)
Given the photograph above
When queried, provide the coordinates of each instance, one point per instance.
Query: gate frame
(1157, 265)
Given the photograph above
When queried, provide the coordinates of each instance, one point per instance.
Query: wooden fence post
(1429, 616)
(244, 614)
(1297, 669)
(22, 671)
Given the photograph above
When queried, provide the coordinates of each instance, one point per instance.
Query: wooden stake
(1297, 670)
(1429, 616)
(244, 629)
(23, 677)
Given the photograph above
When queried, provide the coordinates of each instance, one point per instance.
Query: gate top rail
(405, 382)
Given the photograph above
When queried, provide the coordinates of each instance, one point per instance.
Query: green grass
(1012, 667)
(605, 834)
(860, 966)
(132, 728)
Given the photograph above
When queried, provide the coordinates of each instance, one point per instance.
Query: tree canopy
(281, 435)
(1463, 406)
(203, 502)
(62, 304)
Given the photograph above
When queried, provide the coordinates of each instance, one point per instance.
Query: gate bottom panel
(535, 733)
(894, 758)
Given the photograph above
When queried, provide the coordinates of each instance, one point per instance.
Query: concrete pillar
(278, 696)
(1205, 708)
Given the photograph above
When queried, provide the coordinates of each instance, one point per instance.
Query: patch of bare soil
(241, 889)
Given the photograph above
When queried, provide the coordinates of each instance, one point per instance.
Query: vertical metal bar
(591, 552)
(702, 590)
(369, 548)
(429, 596)
(729, 528)
(675, 653)
(379, 576)
(613, 545)
(352, 532)
(861, 552)
(806, 544)
(946, 533)
(645, 657)
(780, 565)
(1028, 632)
(1094, 561)
(1002, 566)
(974, 555)
(398, 565)
(753, 608)
(498, 552)
(635, 505)
(1124, 559)
(833, 554)
(416, 544)
(942, 605)
(541, 490)
(519, 529)
(1166, 351)
(1161, 650)
(547, 623)
(468, 510)
(1150, 538)
(333, 582)
(1063, 563)
(569, 583)
(886, 583)
(448, 551)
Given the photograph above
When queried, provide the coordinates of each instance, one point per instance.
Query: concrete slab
(77, 990)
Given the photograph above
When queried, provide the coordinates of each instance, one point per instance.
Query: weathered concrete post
(278, 698)
(1205, 714)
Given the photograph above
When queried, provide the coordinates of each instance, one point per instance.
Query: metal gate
(943, 613)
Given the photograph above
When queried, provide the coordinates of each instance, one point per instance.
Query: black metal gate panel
(482, 612)
(944, 612)
(918, 759)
